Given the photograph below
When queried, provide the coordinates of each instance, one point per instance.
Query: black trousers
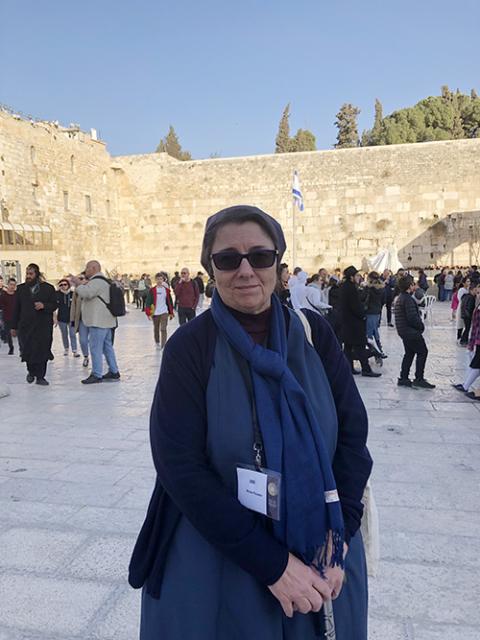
(357, 352)
(388, 306)
(185, 314)
(7, 337)
(466, 331)
(37, 369)
(414, 347)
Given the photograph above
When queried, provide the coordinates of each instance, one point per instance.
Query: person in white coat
(315, 296)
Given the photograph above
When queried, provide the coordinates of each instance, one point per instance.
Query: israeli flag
(296, 192)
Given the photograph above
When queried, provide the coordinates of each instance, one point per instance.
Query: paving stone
(427, 595)
(381, 629)
(105, 557)
(451, 548)
(410, 519)
(103, 519)
(59, 492)
(37, 549)
(105, 474)
(49, 605)
(27, 512)
(445, 632)
(122, 622)
(27, 468)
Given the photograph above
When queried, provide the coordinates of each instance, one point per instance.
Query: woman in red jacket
(159, 308)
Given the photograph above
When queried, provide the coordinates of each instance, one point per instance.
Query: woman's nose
(245, 268)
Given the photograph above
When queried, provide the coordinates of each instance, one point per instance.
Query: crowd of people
(352, 302)
(85, 308)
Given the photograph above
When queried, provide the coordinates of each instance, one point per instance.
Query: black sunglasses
(257, 259)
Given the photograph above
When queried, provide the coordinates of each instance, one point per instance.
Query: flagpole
(294, 239)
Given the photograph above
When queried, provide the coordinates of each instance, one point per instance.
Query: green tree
(304, 140)
(346, 124)
(371, 137)
(445, 117)
(282, 141)
(378, 122)
(171, 145)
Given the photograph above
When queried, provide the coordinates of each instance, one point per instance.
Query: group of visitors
(87, 304)
(353, 305)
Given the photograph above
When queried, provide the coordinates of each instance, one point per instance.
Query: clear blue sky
(221, 71)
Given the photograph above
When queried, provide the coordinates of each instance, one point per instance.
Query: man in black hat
(354, 323)
(33, 319)
(410, 328)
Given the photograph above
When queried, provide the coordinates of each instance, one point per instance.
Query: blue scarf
(311, 524)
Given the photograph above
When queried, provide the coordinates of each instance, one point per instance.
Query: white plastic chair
(427, 311)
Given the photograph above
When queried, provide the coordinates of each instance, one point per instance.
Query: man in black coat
(410, 328)
(353, 323)
(33, 320)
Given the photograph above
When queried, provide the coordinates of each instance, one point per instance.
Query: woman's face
(246, 289)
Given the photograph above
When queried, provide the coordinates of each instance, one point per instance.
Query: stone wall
(357, 201)
(46, 174)
(148, 211)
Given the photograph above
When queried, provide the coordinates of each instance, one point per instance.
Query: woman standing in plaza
(67, 329)
(258, 436)
(159, 308)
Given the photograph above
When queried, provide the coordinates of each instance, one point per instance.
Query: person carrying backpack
(101, 305)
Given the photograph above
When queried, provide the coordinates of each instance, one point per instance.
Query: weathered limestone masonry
(148, 212)
(60, 178)
(425, 198)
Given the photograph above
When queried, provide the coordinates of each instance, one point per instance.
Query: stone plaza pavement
(76, 475)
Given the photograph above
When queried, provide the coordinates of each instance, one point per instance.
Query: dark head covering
(238, 214)
(405, 282)
(350, 271)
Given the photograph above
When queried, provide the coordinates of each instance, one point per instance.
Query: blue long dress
(204, 595)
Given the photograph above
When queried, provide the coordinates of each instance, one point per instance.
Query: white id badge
(259, 490)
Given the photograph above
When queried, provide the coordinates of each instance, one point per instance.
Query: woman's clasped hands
(301, 588)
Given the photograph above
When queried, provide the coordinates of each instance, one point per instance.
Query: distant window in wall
(65, 200)
(88, 204)
(35, 192)
(104, 178)
(32, 153)
(107, 203)
(72, 164)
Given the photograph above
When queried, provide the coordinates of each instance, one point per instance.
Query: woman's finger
(322, 586)
(303, 605)
(315, 599)
(337, 587)
(287, 606)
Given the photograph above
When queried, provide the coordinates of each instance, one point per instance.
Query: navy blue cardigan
(186, 483)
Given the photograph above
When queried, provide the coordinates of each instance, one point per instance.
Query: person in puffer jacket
(410, 329)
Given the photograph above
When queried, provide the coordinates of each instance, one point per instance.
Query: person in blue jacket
(258, 437)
